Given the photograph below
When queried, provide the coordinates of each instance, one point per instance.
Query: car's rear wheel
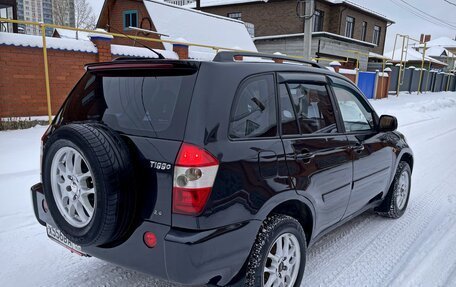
(88, 184)
(396, 201)
(277, 258)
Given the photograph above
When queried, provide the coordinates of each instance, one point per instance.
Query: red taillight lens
(193, 156)
(190, 201)
(194, 176)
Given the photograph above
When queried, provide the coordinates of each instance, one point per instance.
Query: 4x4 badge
(160, 165)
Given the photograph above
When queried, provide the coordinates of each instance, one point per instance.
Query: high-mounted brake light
(194, 176)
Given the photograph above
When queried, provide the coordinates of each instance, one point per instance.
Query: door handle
(304, 157)
(357, 147)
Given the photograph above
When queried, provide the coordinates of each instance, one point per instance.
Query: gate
(366, 83)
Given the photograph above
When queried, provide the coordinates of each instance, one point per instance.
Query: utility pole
(307, 14)
(308, 27)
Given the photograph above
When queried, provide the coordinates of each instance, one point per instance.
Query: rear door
(317, 153)
(371, 153)
(253, 168)
(148, 108)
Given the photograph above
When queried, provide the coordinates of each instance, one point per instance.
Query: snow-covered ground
(418, 249)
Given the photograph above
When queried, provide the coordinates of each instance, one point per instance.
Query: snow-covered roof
(378, 56)
(212, 3)
(445, 42)
(412, 55)
(316, 34)
(129, 51)
(51, 43)
(198, 27)
(360, 7)
(438, 51)
(70, 34)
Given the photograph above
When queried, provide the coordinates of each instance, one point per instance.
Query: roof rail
(228, 56)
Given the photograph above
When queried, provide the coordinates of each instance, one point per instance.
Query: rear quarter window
(254, 110)
(135, 103)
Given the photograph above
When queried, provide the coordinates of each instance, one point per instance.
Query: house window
(130, 19)
(235, 15)
(349, 26)
(364, 31)
(318, 20)
(376, 38)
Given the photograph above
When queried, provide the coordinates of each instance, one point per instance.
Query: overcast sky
(406, 21)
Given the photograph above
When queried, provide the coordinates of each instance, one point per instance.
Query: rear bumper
(185, 257)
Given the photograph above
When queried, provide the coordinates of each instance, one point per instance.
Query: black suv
(220, 172)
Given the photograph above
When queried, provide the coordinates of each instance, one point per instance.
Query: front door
(372, 156)
(318, 157)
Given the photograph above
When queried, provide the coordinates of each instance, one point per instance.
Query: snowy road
(419, 249)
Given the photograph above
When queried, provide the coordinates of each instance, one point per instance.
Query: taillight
(194, 176)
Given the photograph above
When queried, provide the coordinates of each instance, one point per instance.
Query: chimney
(427, 38)
(198, 4)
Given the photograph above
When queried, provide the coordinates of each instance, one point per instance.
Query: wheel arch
(408, 158)
(300, 211)
(292, 204)
(286, 203)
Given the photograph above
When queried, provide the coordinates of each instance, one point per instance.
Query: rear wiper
(160, 56)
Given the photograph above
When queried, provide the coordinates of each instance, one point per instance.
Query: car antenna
(160, 56)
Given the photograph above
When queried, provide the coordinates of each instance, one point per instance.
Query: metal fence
(432, 81)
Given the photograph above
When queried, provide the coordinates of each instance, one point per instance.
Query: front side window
(376, 37)
(356, 113)
(254, 113)
(318, 20)
(130, 19)
(349, 26)
(310, 107)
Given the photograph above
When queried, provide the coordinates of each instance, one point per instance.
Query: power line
(449, 2)
(424, 12)
(429, 16)
(424, 17)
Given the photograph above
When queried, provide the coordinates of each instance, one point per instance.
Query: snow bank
(432, 105)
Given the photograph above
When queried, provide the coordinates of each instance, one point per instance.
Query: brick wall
(371, 22)
(115, 20)
(22, 85)
(278, 17)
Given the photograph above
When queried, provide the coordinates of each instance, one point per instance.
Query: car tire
(100, 185)
(396, 201)
(275, 229)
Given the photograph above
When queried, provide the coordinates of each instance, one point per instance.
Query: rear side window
(310, 106)
(254, 113)
(137, 104)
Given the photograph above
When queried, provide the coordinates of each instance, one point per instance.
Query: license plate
(56, 235)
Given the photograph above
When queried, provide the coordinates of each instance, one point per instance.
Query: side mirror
(387, 123)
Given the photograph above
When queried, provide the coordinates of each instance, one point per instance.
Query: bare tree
(84, 16)
(60, 12)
